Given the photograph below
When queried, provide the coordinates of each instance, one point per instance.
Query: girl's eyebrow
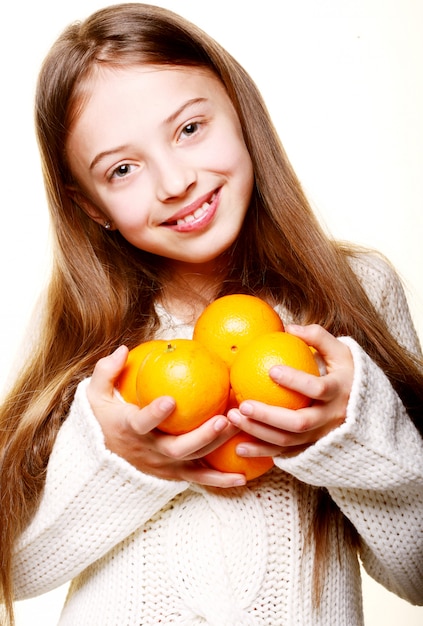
(96, 160)
(182, 108)
(99, 157)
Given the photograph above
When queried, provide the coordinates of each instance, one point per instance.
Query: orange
(225, 458)
(126, 383)
(229, 323)
(194, 376)
(249, 373)
(232, 401)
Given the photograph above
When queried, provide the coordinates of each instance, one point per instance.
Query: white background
(343, 81)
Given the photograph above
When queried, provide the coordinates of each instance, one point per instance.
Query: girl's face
(159, 153)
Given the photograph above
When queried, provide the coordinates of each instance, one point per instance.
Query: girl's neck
(190, 288)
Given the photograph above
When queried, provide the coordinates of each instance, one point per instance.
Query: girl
(163, 174)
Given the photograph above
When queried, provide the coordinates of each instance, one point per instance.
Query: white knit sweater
(144, 551)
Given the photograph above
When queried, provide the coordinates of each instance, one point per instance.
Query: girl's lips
(196, 216)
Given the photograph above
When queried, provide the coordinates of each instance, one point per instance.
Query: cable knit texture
(141, 551)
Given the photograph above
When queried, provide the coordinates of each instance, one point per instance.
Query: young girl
(168, 188)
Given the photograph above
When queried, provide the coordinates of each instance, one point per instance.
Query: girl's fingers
(107, 371)
(329, 347)
(313, 387)
(260, 449)
(290, 431)
(203, 475)
(142, 421)
(196, 443)
(115, 415)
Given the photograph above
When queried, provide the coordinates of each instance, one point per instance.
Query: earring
(107, 225)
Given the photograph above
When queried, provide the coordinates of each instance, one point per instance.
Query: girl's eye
(190, 129)
(122, 170)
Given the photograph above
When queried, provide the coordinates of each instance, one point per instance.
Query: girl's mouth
(195, 217)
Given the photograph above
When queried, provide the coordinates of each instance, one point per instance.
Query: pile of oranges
(236, 340)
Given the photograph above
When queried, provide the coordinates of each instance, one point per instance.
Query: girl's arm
(372, 467)
(361, 446)
(95, 494)
(92, 499)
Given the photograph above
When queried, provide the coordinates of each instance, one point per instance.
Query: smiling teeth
(193, 216)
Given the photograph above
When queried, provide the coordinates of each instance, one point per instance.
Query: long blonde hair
(102, 289)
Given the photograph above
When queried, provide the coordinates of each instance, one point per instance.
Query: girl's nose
(174, 178)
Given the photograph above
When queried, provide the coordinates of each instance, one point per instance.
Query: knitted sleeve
(372, 465)
(92, 500)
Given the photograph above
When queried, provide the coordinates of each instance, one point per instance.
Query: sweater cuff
(83, 475)
(89, 444)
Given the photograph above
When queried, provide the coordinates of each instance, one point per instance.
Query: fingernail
(118, 351)
(276, 373)
(240, 482)
(167, 404)
(220, 424)
(293, 328)
(234, 418)
(246, 408)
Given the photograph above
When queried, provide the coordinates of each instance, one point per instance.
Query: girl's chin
(204, 262)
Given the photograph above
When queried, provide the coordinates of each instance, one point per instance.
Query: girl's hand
(132, 432)
(287, 432)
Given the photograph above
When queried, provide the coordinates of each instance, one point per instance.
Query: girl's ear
(89, 208)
